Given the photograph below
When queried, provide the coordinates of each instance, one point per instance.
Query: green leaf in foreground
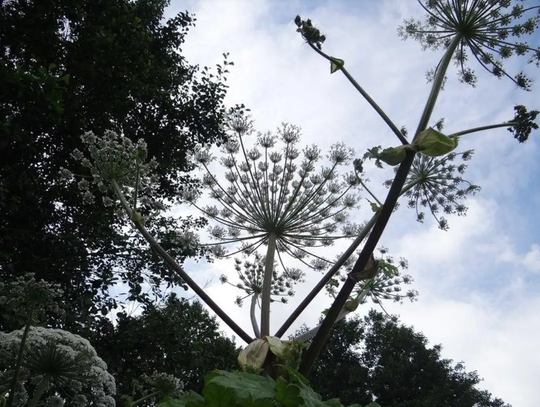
(287, 393)
(238, 388)
(190, 399)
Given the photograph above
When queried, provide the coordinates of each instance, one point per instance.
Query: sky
(478, 283)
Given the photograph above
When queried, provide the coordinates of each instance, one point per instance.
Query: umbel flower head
(115, 158)
(387, 285)
(251, 276)
(490, 31)
(63, 360)
(278, 197)
(24, 294)
(435, 183)
(524, 123)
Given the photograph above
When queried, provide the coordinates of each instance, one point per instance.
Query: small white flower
(88, 198)
(77, 154)
(54, 401)
(70, 359)
(83, 185)
(107, 201)
(65, 174)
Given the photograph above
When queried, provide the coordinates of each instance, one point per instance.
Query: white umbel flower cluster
(69, 363)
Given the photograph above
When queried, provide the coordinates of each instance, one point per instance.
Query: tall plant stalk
(313, 351)
(267, 284)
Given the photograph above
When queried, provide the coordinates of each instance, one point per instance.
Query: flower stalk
(313, 351)
(42, 386)
(267, 285)
(177, 268)
(15, 378)
(253, 316)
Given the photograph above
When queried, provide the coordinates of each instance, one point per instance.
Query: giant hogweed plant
(281, 200)
(272, 206)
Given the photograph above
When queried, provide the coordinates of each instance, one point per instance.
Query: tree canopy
(379, 358)
(67, 67)
(179, 338)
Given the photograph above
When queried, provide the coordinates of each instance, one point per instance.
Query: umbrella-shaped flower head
(490, 31)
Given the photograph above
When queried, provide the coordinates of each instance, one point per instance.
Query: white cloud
(532, 258)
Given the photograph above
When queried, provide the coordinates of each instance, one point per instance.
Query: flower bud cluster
(251, 275)
(116, 159)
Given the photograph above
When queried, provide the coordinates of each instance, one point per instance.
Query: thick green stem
(267, 285)
(482, 128)
(366, 96)
(337, 265)
(15, 378)
(178, 269)
(256, 330)
(385, 213)
(42, 386)
(326, 278)
(344, 312)
(437, 85)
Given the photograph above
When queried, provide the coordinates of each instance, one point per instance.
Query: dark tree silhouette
(378, 358)
(67, 67)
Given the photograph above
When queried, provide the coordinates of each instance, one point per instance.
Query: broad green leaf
(374, 207)
(393, 155)
(389, 269)
(311, 399)
(295, 375)
(287, 393)
(190, 399)
(238, 388)
(219, 396)
(333, 403)
(373, 405)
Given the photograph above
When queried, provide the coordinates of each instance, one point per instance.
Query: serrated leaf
(374, 207)
(225, 389)
(333, 403)
(190, 399)
(312, 399)
(298, 378)
(287, 393)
